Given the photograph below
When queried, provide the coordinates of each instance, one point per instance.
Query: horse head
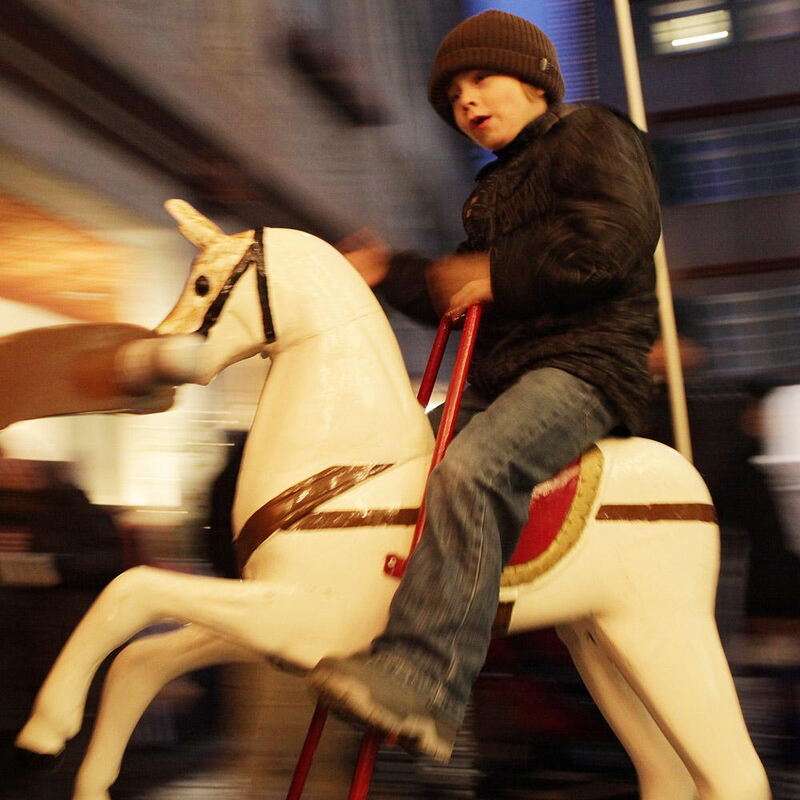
(222, 314)
(258, 291)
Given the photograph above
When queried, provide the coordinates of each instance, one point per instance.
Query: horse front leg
(134, 679)
(661, 773)
(659, 631)
(676, 665)
(266, 617)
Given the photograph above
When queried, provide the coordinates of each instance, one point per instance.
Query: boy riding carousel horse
(561, 231)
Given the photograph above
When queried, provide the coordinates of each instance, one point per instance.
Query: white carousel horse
(334, 467)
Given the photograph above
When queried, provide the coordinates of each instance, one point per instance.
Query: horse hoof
(28, 761)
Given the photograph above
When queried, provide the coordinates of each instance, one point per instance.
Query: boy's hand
(477, 291)
(368, 253)
(456, 282)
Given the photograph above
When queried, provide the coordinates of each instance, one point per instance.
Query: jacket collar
(533, 130)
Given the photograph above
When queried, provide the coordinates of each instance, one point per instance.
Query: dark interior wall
(754, 229)
(725, 75)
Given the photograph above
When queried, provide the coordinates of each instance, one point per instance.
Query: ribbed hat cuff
(509, 61)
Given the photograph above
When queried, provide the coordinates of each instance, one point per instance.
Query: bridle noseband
(253, 257)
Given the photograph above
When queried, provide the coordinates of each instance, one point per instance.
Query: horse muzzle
(169, 360)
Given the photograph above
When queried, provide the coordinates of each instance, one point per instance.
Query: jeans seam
(467, 609)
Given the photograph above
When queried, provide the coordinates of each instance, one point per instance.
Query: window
(680, 26)
(748, 333)
(730, 163)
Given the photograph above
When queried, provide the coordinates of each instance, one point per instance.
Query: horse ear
(199, 230)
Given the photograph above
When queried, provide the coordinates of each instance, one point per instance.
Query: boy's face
(491, 109)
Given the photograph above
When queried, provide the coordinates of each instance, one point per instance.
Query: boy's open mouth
(476, 122)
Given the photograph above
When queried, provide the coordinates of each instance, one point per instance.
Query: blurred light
(688, 31)
(706, 37)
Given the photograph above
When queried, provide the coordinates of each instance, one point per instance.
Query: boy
(561, 231)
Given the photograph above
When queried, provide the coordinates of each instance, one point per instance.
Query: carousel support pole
(395, 564)
(669, 333)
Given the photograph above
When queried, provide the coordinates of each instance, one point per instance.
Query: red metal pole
(367, 755)
(452, 403)
(434, 361)
(458, 381)
(395, 565)
(307, 753)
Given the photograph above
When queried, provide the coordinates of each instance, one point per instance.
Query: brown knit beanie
(500, 42)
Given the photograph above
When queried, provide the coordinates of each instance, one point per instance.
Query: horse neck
(336, 399)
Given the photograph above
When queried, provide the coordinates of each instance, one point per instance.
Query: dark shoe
(358, 689)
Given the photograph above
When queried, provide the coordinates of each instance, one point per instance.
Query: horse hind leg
(135, 677)
(660, 771)
(674, 661)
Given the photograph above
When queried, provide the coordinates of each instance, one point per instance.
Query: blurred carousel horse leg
(259, 615)
(71, 369)
(673, 659)
(660, 772)
(135, 677)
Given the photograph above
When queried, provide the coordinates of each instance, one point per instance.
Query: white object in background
(780, 461)
(780, 414)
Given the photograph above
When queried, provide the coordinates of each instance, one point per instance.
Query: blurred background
(312, 114)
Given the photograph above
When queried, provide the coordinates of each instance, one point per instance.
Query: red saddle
(550, 504)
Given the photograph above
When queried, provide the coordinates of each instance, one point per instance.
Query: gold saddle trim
(590, 471)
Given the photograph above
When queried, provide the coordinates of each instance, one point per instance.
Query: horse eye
(202, 286)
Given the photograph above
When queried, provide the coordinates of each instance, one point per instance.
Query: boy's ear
(532, 91)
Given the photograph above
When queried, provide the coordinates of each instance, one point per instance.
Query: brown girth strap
(292, 508)
(658, 512)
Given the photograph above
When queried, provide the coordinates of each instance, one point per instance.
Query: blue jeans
(477, 501)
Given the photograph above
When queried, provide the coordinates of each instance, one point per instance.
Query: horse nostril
(202, 286)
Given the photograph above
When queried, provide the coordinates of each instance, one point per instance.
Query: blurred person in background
(57, 551)
(561, 230)
(46, 519)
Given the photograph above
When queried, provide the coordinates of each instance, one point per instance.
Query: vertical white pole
(669, 333)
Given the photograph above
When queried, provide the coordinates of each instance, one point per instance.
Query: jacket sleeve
(604, 223)
(405, 289)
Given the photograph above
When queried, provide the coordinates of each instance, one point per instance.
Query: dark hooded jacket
(569, 215)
